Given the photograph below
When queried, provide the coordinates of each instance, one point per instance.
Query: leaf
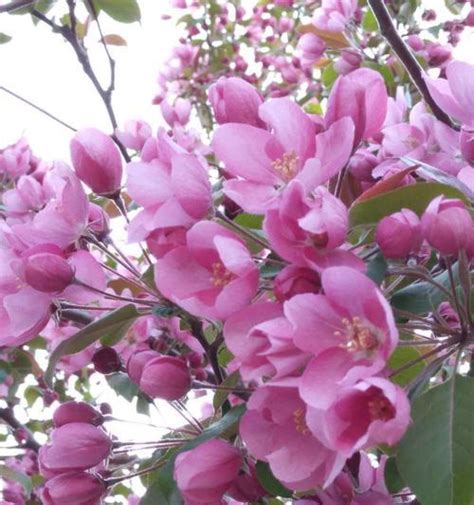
(125, 11)
(400, 357)
(123, 386)
(251, 221)
(369, 22)
(114, 40)
(163, 489)
(334, 40)
(423, 297)
(376, 268)
(269, 482)
(415, 197)
(221, 395)
(4, 38)
(329, 75)
(438, 175)
(10, 474)
(393, 479)
(104, 328)
(436, 455)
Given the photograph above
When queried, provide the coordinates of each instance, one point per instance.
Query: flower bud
(136, 362)
(76, 412)
(98, 221)
(75, 447)
(134, 135)
(177, 113)
(447, 225)
(437, 54)
(415, 42)
(79, 488)
(96, 160)
(399, 234)
(234, 100)
(165, 377)
(293, 280)
(205, 473)
(310, 48)
(466, 141)
(48, 272)
(362, 164)
(106, 360)
(246, 487)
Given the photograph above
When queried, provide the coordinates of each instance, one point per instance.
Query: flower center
(300, 422)
(360, 337)
(287, 165)
(220, 275)
(380, 409)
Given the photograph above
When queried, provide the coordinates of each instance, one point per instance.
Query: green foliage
(4, 38)
(436, 455)
(269, 482)
(10, 474)
(125, 11)
(401, 357)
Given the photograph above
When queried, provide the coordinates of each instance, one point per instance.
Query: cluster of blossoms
(263, 265)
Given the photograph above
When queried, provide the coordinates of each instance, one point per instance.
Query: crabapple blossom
(76, 412)
(399, 234)
(79, 488)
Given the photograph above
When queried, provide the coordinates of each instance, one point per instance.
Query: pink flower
(75, 447)
(308, 229)
(333, 15)
(447, 225)
(260, 338)
(293, 280)
(15, 160)
(234, 100)
(466, 141)
(73, 489)
(165, 377)
(26, 197)
(356, 334)
(311, 48)
(96, 160)
(373, 411)
(263, 161)
(399, 234)
(136, 363)
(362, 96)
(454, 94)
(76, 412)
(134, 135)
(246, 487)
(212, 276)
(274, 430)
(205, 473)
(178, 112)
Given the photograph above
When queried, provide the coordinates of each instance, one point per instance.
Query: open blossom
(372, 411)
(333, 15)
(205, 473)
(212, 276)
(27, 196)
(354, 338)
(263, 162)
(15, 160)
(134, 134)
(274, 430)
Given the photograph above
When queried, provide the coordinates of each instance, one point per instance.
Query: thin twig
(8, 416)
(38, 108)
(414, 69)
(16, 5)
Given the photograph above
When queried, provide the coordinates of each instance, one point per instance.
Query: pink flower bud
(137, 361)
(437, 54)
(205, 473)
(74, 447)
(293, 280)
(234, 100)
(76, 412)
(96, 160)
(362, 164)
(399, 234)
(48, 272)
(310, 48)
(447, 225)
(246, 487)
(177, 113)
(165, 377)
(106, 360)
(415, 42)
(134, 135)
(98, 221)
(466, 141)
(73, 489)
(349, 61)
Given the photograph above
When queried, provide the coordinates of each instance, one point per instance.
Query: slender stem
(15, 5)
(211, 351)
(38, 108)
(115, 480)
(111, 296)
(459, 309)
(243, 230)
(8, 417)
(414, 69)
(139, 285)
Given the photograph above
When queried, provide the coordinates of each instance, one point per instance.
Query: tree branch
(15, 5)
(9, 418)
(414, 69)
(43, 111)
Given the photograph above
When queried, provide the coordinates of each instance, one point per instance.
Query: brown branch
(15, 5)
(43, 111)
(7, 415)
(414, 69)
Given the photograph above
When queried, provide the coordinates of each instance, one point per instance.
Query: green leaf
(252, 221)
(414, 196)
(393, 479)
(369, 22)
(221, 395)
(105, 328)
(269, 482)
(4, 38)
(163, 489)
(125, 11)
(436, 455)
(123, 386)
(329, 75)
(376, 268)
(402, 356)
(423, 297)
(10, 474)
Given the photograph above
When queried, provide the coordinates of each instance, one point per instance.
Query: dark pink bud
(73, 489)
(415, 42)
(165, 377)
(96, 160)
(466, 142)
(246, 487)
(429, 15)
(447, 225)
(205, 473)
(399, 234)
(98, 221)
(362, 164)
(234, 100)
(437, 54)
(48, 272)
(106, 360)
(76, 412)
(75, 447)
(293, 280)
(136, 362)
